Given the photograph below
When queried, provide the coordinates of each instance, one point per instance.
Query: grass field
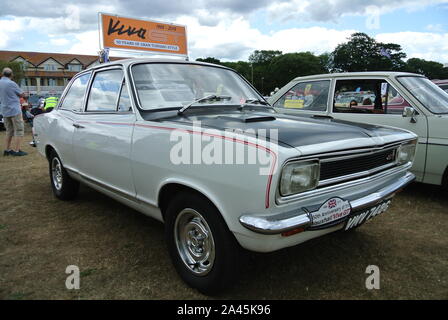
(122, 254)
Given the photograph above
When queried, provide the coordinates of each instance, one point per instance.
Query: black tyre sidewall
(69, 188)
(227, 251)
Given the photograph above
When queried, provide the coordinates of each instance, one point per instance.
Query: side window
(311, 96)
(367, 96)
(124, 102)
(74, 98)
(104, 91)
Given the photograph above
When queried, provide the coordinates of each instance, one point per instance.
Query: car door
(103, 133)
(72, 103)
(377, 101)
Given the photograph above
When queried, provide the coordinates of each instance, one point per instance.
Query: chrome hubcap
(194, 242)
(56, 170)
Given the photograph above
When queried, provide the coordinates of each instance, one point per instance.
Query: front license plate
(358, 218)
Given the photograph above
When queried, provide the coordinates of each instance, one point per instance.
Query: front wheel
(64, 187)
(203, 250)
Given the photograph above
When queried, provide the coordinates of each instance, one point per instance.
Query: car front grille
(361, 165)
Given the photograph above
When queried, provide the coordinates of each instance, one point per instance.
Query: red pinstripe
(272, 153)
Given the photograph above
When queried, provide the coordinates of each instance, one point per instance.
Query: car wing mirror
(409, 112)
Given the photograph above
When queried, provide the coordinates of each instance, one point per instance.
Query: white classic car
(195, 146)
(404, 100)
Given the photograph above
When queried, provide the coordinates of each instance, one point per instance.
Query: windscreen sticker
(295, 104)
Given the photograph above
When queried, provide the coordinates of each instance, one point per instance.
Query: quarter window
(105, 90)
(74, 99)
(310, 96)
(124, 103)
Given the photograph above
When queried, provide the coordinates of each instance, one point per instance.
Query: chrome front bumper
(275, 224)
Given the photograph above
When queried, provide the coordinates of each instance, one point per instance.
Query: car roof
(440, 81)
(357, 74)
(127, 62)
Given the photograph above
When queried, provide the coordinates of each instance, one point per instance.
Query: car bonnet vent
(258, 119)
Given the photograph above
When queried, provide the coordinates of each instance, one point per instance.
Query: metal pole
(262, 79)
(252, 67)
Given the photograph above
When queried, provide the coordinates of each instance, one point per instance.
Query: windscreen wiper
(253, 101)
(257, 101)
(212, 97)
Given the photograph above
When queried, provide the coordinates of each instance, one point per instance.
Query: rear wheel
(64, 187)
(203, 250)
(445, 180)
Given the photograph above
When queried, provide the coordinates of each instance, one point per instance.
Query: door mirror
(408, 112)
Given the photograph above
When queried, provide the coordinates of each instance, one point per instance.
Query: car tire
(204, 252)
(64, 187)
(445, 181)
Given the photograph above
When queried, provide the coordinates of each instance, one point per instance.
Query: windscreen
(167, 85)
(429, 94)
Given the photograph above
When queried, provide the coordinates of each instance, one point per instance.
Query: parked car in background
(120, 128)
(404, 100)
(442, 84)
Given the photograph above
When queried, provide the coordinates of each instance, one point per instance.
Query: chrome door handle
(78, 126)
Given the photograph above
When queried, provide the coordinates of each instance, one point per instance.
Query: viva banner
(143, 35)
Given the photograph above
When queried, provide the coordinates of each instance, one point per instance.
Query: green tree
(286, 67)
(363, 53)
(18, 69)
(263, 56)
(325, 61)
(209, 60)
(431, 69)
(242, 67)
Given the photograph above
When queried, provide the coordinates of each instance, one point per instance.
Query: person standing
(10, 95)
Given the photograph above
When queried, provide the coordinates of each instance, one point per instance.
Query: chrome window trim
(92, 71)
(135, 91)
(111, 68)
(68, 87)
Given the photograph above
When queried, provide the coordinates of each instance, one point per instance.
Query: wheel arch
(48, 150)
(170, 189)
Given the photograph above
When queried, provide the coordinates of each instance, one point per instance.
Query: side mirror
(409, 112)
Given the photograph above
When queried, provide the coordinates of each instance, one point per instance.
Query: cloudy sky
(232, 29)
